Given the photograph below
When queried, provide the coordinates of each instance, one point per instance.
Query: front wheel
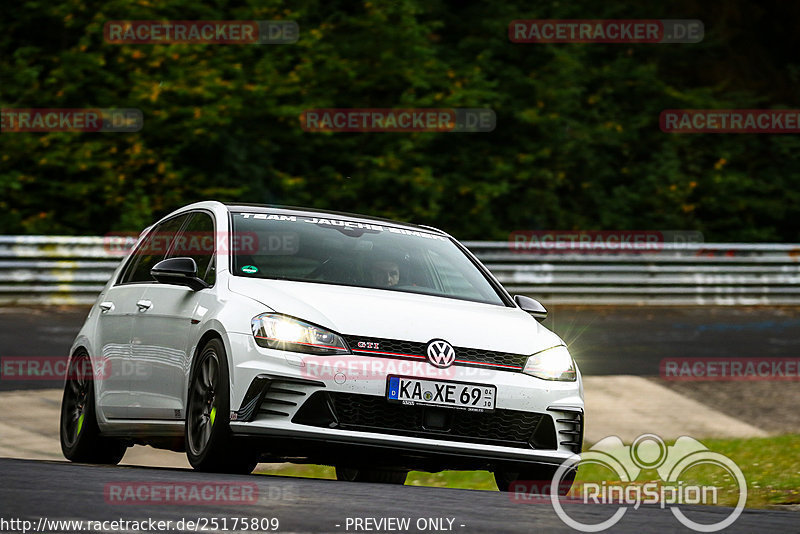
(78, 431)
(209, 443)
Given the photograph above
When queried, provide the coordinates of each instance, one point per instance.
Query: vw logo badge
(441, 353)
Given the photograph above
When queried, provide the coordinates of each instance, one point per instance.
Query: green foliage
(577, 143)
(771, 467)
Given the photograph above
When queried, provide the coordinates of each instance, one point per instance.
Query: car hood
(381, 313)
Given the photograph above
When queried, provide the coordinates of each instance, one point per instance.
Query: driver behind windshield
(384, 273)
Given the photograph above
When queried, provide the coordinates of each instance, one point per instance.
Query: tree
(577, 143)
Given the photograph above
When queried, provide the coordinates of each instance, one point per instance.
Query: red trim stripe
(492, 364)
(423, 357)
(390, 353)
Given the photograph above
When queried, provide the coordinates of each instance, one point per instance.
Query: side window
(197, 241)
(153, 249)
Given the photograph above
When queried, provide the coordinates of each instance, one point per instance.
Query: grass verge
(771, 467)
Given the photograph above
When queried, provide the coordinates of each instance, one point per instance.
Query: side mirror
(178, 271)
(532, 306)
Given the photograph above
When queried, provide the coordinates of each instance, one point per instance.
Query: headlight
(551, 364)
(277, 331)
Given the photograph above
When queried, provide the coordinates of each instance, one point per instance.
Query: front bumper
(333, 411)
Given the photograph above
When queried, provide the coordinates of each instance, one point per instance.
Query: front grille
(395, 348)
(369, 413)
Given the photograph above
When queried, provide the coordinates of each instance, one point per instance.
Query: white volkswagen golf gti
(243, 334)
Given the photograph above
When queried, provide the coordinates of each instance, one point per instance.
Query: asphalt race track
(605, 341)
(61, 491)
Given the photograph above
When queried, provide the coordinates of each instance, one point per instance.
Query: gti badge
(441, 353)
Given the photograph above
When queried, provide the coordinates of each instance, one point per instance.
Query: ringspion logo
(649, 452)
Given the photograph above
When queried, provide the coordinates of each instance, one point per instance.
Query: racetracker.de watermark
(201, 243)
(121, 120)
(183, 493)
(600, 241)
(59, 368)
(360, 368)
(729, 369)
(459, 120)
(766, 121)
(201, 32)
(605, 31)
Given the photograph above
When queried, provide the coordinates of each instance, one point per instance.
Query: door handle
(107, 306)
(144, 305)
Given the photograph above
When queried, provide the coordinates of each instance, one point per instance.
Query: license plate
(459, 395)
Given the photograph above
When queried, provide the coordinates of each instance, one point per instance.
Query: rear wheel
(209, 443)
(384, 476)
(80, 436)
(539, 477)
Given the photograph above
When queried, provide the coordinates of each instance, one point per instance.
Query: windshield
(362, 254)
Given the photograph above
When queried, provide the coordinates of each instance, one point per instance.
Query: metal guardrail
(72, 270)
(675, 274)
(54, 269)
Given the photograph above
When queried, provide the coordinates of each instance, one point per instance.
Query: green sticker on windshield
(249, 269)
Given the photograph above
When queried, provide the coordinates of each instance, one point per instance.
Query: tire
(541, 475)
(383, 476)
(209, 444)
(78, 431)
